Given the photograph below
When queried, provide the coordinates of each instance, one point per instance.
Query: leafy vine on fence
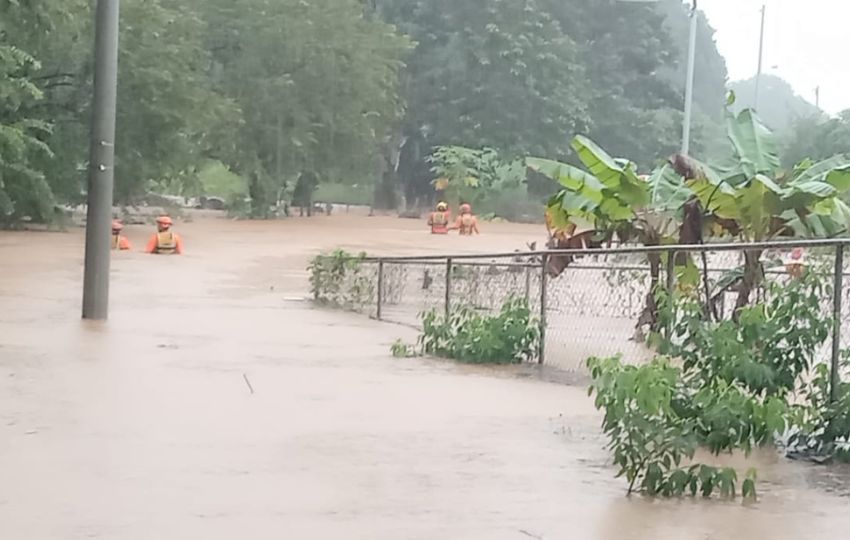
(339, 280)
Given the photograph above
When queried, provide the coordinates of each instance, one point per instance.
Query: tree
(466, 175)
(316, 83)
(762, 201)
(167, 116)
(24, 128)
(635, 56)
(169, 119)
(817, 137)
(711, 76)
(486, 73)
(752, 198)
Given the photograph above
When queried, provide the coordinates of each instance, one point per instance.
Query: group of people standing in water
(440, 220)
(164, 242)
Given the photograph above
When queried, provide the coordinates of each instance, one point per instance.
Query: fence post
(380, 288)
(838, 290)
(448, 287)
(544, 289)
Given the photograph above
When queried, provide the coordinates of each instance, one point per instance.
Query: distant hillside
(778, 106)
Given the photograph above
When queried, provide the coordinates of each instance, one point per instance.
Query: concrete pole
(689, 84)
(761, 56)
(101, 162)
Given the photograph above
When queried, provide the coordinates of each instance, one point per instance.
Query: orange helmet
(164, 220)
(465, 209)
(117, 226)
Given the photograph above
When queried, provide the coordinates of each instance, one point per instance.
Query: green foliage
(763, 199)
(273, 89)
(169, 117)
(469, 175)
(267, 89)
(317, 84)
(817, 137)
(610, 196)
(511, 336)
(734, 386)
(652, 442)
(217, 180)
(23, 188)
(401, 349)
(770, 346)
(339, 280)
(823, 423)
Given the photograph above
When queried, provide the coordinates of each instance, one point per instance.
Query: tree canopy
(356, 91)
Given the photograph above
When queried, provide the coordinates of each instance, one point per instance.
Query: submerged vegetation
(725, 386)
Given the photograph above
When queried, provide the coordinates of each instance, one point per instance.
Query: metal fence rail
(593, 307)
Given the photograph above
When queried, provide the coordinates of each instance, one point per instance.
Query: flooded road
(144, 427)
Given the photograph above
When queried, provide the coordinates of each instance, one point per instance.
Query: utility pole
(761, 55)
(817, 97)
(101, 162)
(689, 84)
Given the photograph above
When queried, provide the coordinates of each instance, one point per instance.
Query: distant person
(119, 242)
(165, 241)
(439, 219)
(467, 223)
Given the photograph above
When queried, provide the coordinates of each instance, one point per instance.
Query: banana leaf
(755, 146)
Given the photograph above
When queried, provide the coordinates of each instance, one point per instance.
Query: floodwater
(145, 427)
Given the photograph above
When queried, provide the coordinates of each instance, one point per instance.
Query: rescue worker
(165, 241)
(467, 223)
(439, 219)
(119, 242)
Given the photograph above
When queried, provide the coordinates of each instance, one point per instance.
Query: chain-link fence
(597, 302)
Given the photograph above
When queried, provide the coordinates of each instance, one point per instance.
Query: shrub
(767, 349)
(653, 429)
(511, 336)
(734, 390)
(401, 349)
(339, 280)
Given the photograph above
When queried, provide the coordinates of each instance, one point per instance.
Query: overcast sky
(807, 43)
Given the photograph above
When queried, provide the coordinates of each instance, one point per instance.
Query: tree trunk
(649, 316)
(753, 276)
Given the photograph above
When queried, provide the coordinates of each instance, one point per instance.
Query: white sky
(807, 43)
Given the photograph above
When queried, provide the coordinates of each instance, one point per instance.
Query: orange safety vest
(439, 222)
(166, 243)
(120, 243)
(466, 223)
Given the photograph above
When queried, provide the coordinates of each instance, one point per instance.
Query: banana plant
(609, 198)
(762, 202)
(686, 201)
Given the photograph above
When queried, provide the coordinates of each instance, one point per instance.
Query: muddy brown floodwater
(144, 427)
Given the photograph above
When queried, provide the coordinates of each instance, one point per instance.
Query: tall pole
(101, 162)
(761, 55)
(817, 97)
(689, 84)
